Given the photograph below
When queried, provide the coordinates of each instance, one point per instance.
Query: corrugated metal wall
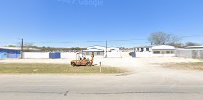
(55, 55)
(190, 53)
(45, 55)
(3, 55)
(9, 54)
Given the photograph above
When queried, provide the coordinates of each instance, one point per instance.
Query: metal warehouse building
(10, 52)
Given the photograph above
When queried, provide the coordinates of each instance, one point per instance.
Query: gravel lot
(129, 63)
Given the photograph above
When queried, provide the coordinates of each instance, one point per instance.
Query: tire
(88, 63)
(73, 64)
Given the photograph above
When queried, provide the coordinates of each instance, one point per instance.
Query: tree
(192, 44)
(11, 46)
(161, 38)
(26, 45)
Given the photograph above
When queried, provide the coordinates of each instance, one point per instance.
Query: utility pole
(106, 48)
(22, 46)
(134, 52)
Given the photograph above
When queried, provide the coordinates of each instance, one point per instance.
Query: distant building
(10, 52)
(102, 51)
(143, 49)
(98, 51)
(194, 47)
(164, 50)
(153, 51)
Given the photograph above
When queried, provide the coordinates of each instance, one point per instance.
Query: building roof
(191, 47)
(18, 48)
(10, 48)
(143, 47)
(163, 47)
(99, 48)
(93, 50)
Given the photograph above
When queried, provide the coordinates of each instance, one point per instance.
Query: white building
(163, 50)
(143, 49)
(100, 51)
(154, 51)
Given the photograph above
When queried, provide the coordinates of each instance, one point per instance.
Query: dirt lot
(134, 64)
(185, 66)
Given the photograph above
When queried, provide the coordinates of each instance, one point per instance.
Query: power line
(135, 41)
(128, 40)
(188, 36)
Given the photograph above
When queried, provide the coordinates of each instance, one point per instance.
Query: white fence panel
(36, 55)
(71, 55)
(143, 54)
(114, 54)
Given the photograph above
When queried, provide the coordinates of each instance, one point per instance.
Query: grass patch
(54, 68)
(195, 66)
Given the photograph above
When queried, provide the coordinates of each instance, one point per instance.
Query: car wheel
(73, 64)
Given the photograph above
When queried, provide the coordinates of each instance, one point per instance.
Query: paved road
(149, 82)
(139, 86)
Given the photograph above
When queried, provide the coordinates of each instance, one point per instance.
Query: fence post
(100, 68)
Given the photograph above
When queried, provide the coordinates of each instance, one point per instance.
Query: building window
(168, 52)
(142, 49)
(156, 52)
(147, 49)
(98, 53)
(163, 52)
(137, 49)
(102, 53)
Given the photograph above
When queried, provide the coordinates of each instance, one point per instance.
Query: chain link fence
(190, 53)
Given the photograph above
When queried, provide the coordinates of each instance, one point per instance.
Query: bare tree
(192, 44)
(26, 45)
(161, 38)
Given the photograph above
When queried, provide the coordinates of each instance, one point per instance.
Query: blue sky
(72, 23)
